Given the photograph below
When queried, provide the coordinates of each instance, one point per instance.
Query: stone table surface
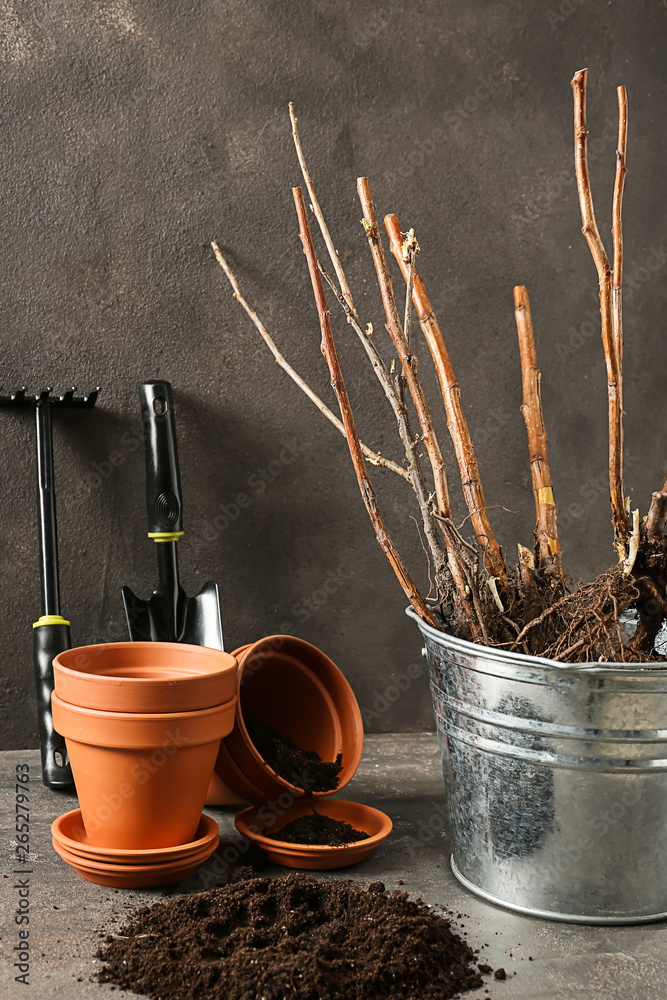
(400, 774)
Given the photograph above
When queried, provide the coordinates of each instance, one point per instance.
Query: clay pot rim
(372, 841)
(173, 648)
(144, 717)
(137, 731)
(243, 654)
(166, 675)
(207, 830)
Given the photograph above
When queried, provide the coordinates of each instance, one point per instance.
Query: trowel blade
(203, 626)
(200, 618)
(137, 616)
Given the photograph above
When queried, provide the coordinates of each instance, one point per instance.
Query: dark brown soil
(292, 937)
(315, 829)
(302, 768)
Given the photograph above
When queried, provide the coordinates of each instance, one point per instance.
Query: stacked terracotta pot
(143, 723)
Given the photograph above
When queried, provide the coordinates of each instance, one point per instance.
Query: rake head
(21, 397)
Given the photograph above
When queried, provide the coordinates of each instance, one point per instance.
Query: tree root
(614, 618)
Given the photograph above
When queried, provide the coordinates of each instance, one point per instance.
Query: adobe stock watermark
(553, 188)
(436, 825)
(556, 16)
(451, 120)
(399, 684)
(636, 278)
(374, 24)
(23, 948)
(138, 775)
(219, 865)
(333, 581)
(599, 825)
(257, 484)
(592, 489)
(304, 609)
(100, 472)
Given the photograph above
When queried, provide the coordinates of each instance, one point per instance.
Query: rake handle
(46, 500)
(49, 637)
(49, 640)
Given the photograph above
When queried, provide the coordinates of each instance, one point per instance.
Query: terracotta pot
(141, 778)
(293, 687)
(315, 857)
(144, 677)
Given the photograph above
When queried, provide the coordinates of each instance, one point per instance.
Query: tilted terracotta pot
(293, 687)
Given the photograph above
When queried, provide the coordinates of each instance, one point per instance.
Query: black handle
(50, 639)
(46, 500)
(163, 478)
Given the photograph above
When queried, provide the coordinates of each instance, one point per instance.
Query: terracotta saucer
(117, 868)
(69, 832)
(134, 876)
(373, 822)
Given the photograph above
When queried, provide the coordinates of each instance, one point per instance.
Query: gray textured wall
(135, 131)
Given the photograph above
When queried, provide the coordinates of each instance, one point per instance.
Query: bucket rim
(524, 660)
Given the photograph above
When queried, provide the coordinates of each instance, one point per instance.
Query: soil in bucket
(292, 936)
(316, 830)
(302, 768)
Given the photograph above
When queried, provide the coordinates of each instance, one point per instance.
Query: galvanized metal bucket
(556, 780)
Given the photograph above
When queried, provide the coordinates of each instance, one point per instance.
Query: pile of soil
(316, 830)
(294, 936)
(302, 768)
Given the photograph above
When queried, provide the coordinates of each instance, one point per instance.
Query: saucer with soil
(330, 834)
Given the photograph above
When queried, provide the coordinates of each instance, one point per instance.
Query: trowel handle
(163, 478)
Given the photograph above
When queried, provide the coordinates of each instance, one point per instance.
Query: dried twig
(461, 573)
(628, 563)
(407, 359)
(456, 421)
(657, 515)
(397, 403)
(415, 474)
(333, 253)
(527, 574)
(409, 251)
(547, 548)
(617, 232)
(612, 358)
(617, 286)
(373, 456)
(410, 444)
(338, 384)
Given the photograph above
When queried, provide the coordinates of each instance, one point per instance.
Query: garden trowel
(169, 615)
